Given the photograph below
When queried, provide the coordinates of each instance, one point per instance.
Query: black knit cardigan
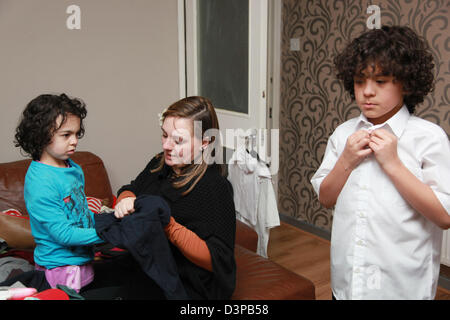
(208, 210)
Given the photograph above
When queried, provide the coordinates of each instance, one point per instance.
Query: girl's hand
(356, 149)
(384, 146)
(124, 207)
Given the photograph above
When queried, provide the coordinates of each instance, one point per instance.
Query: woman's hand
(124, 207)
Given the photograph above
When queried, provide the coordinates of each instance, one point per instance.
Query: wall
(123, 63)
(313, 102)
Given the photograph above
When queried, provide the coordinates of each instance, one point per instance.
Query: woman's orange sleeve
(190, 244)
(125, 194)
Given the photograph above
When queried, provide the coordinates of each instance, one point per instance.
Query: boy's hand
(384, 146)
(124, 207)
(356, 149)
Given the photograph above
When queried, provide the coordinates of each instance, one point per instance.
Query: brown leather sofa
(257, 278)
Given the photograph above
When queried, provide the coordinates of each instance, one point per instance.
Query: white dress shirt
(381, 248)
(254, 196)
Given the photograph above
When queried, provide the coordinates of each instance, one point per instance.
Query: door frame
(257, 79)
(270, 117)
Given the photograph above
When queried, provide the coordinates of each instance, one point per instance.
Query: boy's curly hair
(38, 123)
(398, 51)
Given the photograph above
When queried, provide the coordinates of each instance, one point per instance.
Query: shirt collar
(396, 123)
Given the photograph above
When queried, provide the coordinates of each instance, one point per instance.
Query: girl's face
(378, 96)
(178, 142)
(63, 143)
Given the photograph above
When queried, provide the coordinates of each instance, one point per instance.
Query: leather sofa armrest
(16, 232)
(246, 236)
(258, 278)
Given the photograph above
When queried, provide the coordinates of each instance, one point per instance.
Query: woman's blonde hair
(200, 109)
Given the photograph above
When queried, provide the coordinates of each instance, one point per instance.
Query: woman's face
(178, 142)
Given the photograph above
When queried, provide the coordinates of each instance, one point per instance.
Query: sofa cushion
(96, 178)
(14, 213)
(94, 204)
(246, 236)
(12, 178)
(16, 232)
(258, 278)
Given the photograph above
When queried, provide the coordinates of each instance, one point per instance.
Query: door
(226, 60)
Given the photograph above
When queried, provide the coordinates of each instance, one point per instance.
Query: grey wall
(123, 63)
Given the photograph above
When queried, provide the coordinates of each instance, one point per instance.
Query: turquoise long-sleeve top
(61, 223)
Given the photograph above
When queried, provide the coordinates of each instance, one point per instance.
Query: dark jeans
(31, 279)
(121, 278)
(118, 278)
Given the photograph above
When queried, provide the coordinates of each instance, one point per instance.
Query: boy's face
(378, 96)
(63, 143)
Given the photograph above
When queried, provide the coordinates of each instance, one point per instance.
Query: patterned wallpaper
(313, 102)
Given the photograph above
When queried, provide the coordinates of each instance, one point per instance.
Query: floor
(287, 243)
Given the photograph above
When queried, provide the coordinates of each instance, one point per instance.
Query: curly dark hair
(399, 52)
(38, 122)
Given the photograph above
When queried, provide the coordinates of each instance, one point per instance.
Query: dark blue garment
(142, 234)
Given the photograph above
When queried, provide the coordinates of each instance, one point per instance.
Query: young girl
(61, 223)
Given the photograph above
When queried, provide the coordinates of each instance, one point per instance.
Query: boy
(386, 173)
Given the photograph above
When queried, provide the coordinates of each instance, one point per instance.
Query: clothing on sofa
(142, 234)
(30, 279)
(3, 245)
(61, 223)
(12, 265)
(208, 210)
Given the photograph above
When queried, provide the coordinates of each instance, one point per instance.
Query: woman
(203, 223)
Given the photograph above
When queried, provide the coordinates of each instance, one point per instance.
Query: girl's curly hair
(38, 123)
(398, 51)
